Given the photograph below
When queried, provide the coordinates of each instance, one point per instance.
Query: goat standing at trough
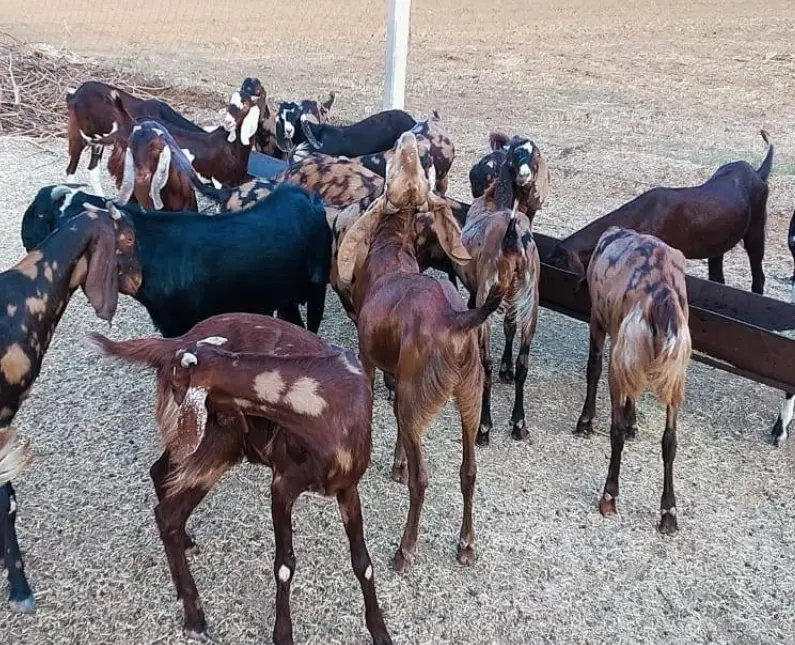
(94, 250)
(252, 94)
(274, 256)
(704, 221)
(498, 233)
(289, 116)
(94, 121)
(417, 328)
(244, 385)
(639, 297)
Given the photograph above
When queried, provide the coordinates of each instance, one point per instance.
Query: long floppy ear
(102, 281)
(498, 141)
(249, 126)
(128, 178)
(306, 126)
(542, 181)
(356, 242)
(160, 177)
(448, 231)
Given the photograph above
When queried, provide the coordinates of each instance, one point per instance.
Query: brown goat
(417, 328)
(497, 232)
(94, 250)
(703, 221)
(247, 385)
(639, 297)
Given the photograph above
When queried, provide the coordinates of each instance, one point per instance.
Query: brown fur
(638, 297)
(417, 328)
(270, 391)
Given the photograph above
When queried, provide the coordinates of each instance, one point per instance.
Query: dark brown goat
(497, 232)
(704, 221)
(94, 121)
(94, 250)
(252, 94)
(417, 328)
(638, 297)
(298, 405)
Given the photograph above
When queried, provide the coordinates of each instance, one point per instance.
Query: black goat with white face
(289, 115)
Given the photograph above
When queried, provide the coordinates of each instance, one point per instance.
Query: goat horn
(160, 177)
(128, 178)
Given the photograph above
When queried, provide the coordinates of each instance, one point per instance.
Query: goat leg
(292, 314)
(418, 483)
(715, 268)
(20, 596)
(470, 415)
(399, 467)
(631, 415)
(668, 525)
(315, 306)
(519, 425)
(389, 384)
(282, 499)
(486, 423)
(754, 242)
(351, 511)
(592, 375)
(607, 503)
(783, 420)
(159, 473)
(506, 374)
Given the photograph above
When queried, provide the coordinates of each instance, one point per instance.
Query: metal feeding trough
(264, 166)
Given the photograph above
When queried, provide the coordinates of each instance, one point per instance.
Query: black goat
(289, 115)
(271, 257)
(376, 133)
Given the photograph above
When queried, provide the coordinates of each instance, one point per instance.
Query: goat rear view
(638, 297)
(241, 385)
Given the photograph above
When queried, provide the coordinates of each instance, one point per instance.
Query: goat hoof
(584, 427)
(779, 440)
(401, 561)
(506, 375)
(631, 432)
(466, 555)
(482, 438)
(668, 525)
(520, 431)
(607, 505)
(199, 635)
(24, 606)
(399, 474)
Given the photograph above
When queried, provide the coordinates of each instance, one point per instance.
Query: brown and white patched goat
(639, 297)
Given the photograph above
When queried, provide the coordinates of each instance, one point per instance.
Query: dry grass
(619, 96)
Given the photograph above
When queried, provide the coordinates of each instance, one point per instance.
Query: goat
(779, 433)
(417, 328)
(289, 116)
(94, 250)
(440, 147)
(245, 385)
(375, 133)
(639, 297)
(252, 94)
(272, 257)
(94, 121)
(220, 156)
(497, 233)
(703, 221)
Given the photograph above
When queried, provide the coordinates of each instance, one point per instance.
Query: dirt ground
(619, 96)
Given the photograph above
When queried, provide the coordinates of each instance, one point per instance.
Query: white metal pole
(397, 51)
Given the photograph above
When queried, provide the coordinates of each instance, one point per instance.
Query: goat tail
(767, 163)
(472, 318)
(152, 352)
(652, 349)
(13, 458)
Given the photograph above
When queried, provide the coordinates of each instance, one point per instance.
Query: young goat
(639, 297)
(289, 116)
(271, 257)
(417, 328)
(376, 133)
(94, 250)
(702, 221)
(498, 233)
(94, 121)
(251, 95)
(243, 385)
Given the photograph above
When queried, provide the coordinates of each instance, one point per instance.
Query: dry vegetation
(619, 96)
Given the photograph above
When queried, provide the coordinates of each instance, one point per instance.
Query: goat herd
(363, 208)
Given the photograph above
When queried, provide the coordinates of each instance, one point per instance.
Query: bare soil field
(619, 96)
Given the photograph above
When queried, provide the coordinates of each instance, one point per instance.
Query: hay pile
(34, 80)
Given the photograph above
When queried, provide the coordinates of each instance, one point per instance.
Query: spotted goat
(638, 296)
(417, 328)
(289, 116)
(94, 122)
(242, 385)
(498, 234)
(94, 250)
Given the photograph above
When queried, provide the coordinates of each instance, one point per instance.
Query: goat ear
(160, 177)
(498, 141)
(330, 101)
(448, 231)
(541, 187)
(356, 242)
(102, 281)
(128, 178)
(249, 126)
(306, 126)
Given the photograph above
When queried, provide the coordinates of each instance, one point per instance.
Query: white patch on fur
(303, 397)
(217, 183)
(95, 176)
(368, 572)
(86, 138)
(289, 130)
(785, 415)
(248, 128)
(194, 400)
(210, 128)
(157, 131)
(212, 340)
(236, 100)
(284, 573)
(189, 359)
(188, 154)
(351, 366)
(12, 505)
(524, 170)
(136, 128)
(269, 386)
(67, 201)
